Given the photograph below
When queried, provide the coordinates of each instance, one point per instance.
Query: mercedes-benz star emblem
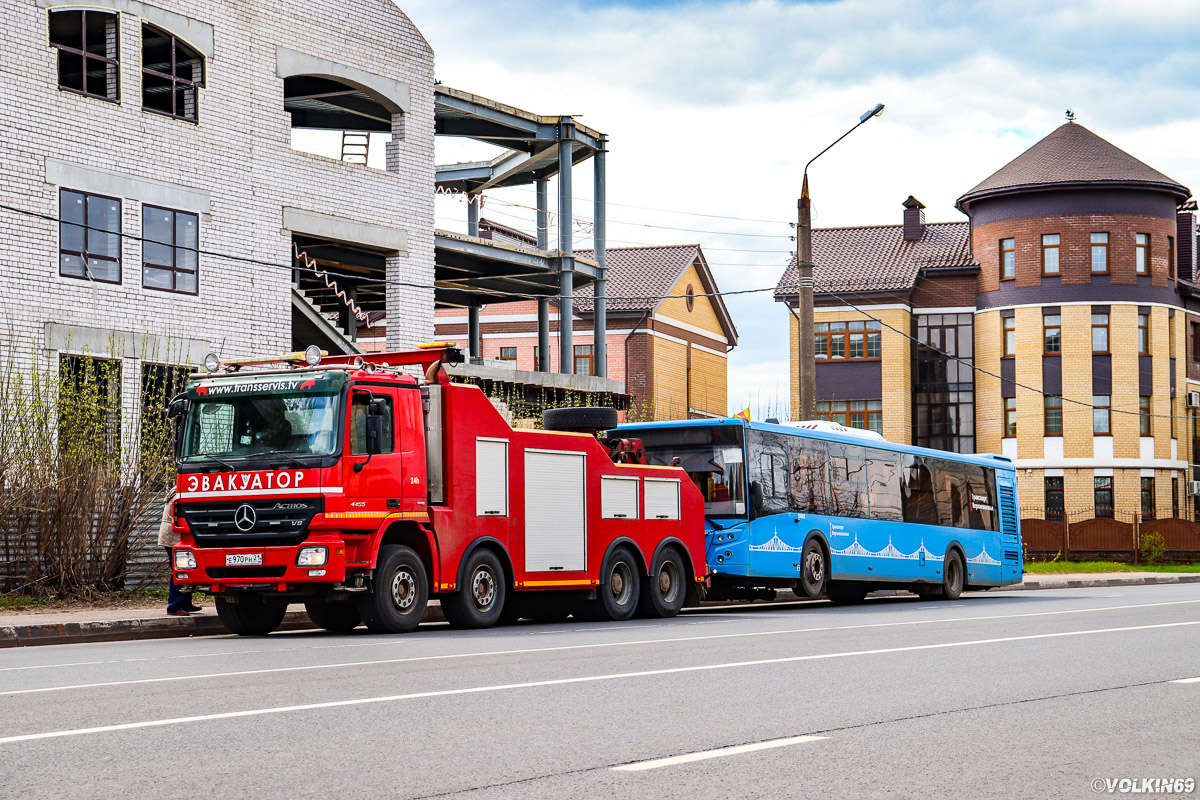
(244, 518)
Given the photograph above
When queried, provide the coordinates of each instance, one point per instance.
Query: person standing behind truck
(179, 603)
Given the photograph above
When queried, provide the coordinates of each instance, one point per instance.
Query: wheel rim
(668, 582)
(620, 583)
(814, 567)
(404, 589)
(483, 589)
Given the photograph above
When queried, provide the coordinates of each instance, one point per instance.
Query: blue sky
(713, 107)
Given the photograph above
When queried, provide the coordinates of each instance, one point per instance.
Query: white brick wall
(239, 154)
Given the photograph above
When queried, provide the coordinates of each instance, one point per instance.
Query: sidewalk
(107, 625)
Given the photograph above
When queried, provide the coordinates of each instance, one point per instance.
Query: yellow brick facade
(989, 405)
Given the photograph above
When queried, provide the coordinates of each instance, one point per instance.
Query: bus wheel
(480, 599)
(250, 616)
(813, 570)
(846, 592)
(337, 617)
(617, 595)
(663, 589)
(399, 591)
(952, 576)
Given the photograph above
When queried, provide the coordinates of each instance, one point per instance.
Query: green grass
(123, 598)
(1060, 567)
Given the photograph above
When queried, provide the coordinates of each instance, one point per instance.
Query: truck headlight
(312, 557)
(185, 559)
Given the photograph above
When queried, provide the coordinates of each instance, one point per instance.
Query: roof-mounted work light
(212, 362)
(312, 355)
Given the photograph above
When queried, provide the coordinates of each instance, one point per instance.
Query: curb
(136, 629)
(1087, 583)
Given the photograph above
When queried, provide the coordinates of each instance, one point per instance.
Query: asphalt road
(1016, 694)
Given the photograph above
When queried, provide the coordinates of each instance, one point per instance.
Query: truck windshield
(252, 425)
(712, 457)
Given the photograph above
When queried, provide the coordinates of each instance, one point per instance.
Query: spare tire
(581, 418)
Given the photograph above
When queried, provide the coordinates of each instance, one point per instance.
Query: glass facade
(944, 391)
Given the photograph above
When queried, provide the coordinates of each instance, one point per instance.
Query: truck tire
(619, 590)
(664, 589)
(250, 615)
(337, 617)
(479, 601)
(583, 418)
(814, 569)
(399, 591)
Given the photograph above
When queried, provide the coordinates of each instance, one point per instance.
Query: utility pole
(804, 267)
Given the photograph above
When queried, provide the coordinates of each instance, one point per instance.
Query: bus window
(809, 482)
(981, 497)
(770, 490)
(883, 485)
(951, 483)
(848, 480)
(712, 457)
(920, 504)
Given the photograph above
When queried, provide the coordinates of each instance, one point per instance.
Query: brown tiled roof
(877, 258)
(638, 276)
(1072, 155)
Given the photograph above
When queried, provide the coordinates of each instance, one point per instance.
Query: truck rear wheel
(663, 590)
(619, 590)
(250, 615)
(480, 599)
(399, 591)
(337, 617)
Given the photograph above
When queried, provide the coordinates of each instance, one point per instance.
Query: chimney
(1186, 241)
(914, 219)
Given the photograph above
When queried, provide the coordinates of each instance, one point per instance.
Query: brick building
(1068, 302)
(172, 121)
(670, 354)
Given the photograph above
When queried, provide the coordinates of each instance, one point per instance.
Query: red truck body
(453, 485)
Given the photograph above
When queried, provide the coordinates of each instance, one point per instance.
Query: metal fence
(1111, 534)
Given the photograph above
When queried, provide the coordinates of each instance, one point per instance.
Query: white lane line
(562, 648)
(504, 687)
(1187, 680)
(720, 752)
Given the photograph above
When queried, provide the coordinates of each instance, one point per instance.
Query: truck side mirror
(177, 407)
(374, 435)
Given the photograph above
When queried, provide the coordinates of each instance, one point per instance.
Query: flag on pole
(743, 415)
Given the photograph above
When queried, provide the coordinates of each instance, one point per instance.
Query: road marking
(505, 687)
(564, 648)
(720, 752)
(1187, 680)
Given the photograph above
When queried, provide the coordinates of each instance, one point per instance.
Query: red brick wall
(948, 291)
(1074, 249)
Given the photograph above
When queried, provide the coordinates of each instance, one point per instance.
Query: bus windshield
(712, 457)
(256, 425)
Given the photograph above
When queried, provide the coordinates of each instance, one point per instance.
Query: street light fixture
(804, 265)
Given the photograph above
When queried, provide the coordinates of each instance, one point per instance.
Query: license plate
(243, 559)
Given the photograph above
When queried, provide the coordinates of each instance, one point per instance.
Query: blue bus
(825, 509)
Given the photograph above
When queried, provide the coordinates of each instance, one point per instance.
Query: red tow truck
(352, 486)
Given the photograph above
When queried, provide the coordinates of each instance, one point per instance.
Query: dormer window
(88, 43)
(172, 74)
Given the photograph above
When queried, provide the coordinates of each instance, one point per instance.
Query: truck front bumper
(235, 568)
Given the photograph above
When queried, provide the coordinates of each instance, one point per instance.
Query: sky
(712, 108)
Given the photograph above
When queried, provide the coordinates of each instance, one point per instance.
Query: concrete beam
(329, 226)
(396, 96)
(96, 180)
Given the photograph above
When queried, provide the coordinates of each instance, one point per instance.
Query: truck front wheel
(250, 616)
(479, 601)
(399, 591)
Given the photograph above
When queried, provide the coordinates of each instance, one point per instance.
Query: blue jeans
(177, 599)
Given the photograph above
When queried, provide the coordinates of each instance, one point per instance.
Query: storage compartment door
(662, 498)
(491, 477)
(618, 497)
(555, 512)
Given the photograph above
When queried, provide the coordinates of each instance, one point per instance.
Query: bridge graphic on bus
(856, 549)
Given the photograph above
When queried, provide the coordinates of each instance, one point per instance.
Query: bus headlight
(185, 559)
(312, 557)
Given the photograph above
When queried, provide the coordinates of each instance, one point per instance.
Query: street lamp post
(804, 264)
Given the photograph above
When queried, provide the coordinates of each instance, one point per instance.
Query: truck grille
(264, 523)
(246, 572)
